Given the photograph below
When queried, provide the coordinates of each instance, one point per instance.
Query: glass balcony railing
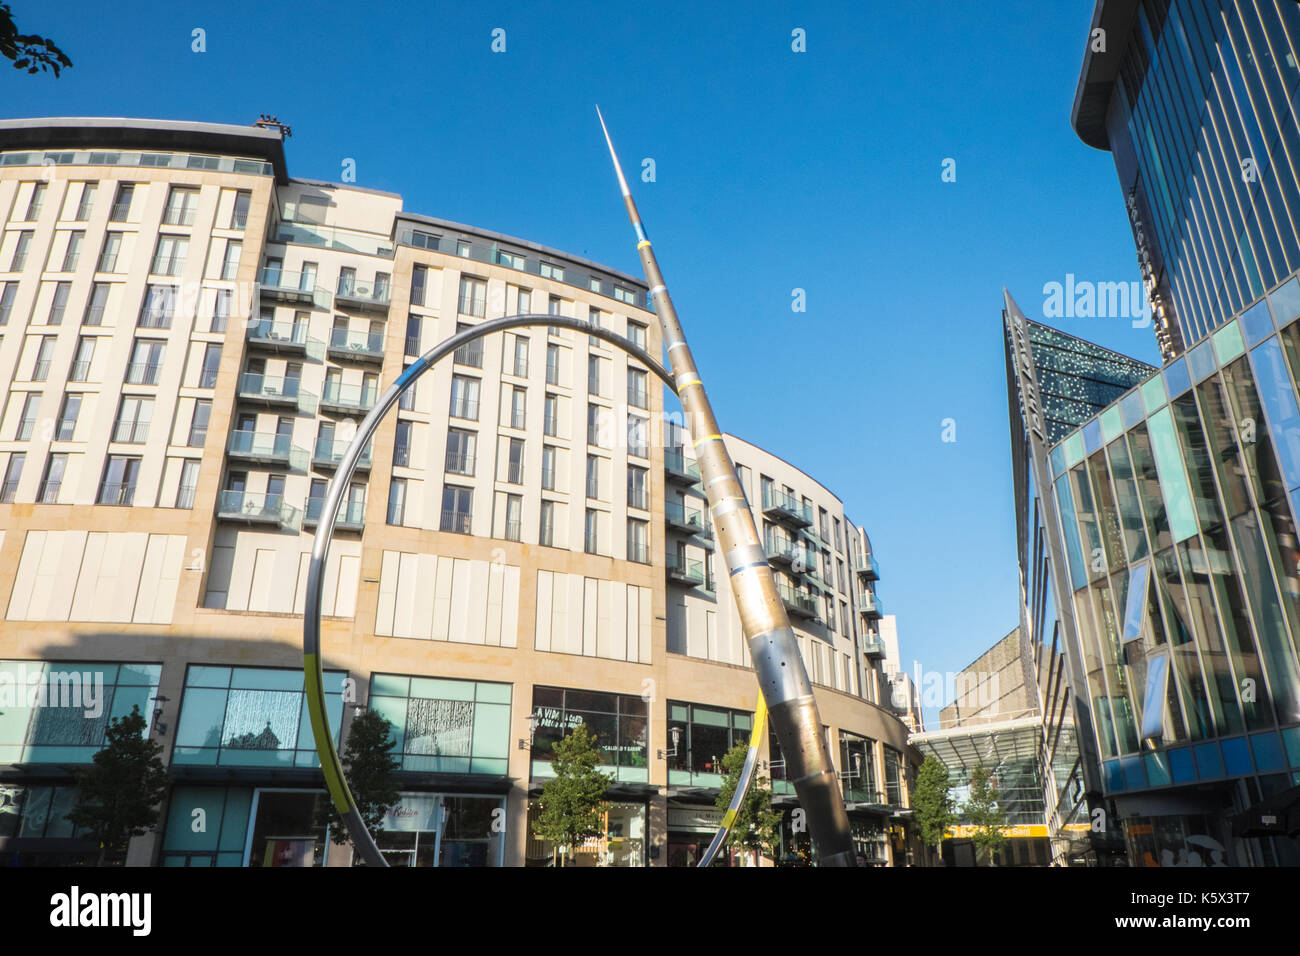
(351, 514)
(870, 605)
(684, 571)
(680, 468)
(866, 566)
(364, 346)
(341, 240)
(873, 647)
(348, 398)
(784, 551)
(362, 295)
(804, 605)
(329, 452)
(269, 388)
(787, 508)
(263, 446)
(256, 508)
(685, 518)
(282, 336)
(295, 287)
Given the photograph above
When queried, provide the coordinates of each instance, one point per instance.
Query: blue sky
(776, 170)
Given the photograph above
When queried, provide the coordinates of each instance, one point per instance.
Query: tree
(369, 767)
(932, 803)
(757, 825)
(28, 51)
(571, 808)
(984, 814)
(118, 797)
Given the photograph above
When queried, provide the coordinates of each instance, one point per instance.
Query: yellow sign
(1021, 830)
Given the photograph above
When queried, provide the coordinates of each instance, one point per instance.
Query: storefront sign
(694, 819)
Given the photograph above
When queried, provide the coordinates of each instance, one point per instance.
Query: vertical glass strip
(1070, 531)
(1126, 498)
(1279, 403)
(1220, 683)
(1173, 480)
(1270, 625)
(1254, 438)
(1238, 632)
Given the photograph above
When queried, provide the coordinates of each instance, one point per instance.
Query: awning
(978, 745)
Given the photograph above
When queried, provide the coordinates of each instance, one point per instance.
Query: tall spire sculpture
(783, 680)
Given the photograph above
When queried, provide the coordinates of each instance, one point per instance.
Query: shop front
(622, 842)
(691, 829)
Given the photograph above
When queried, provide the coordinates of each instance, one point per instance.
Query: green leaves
(932, 804)
(757, 826)
(984, 814)
(369, 767)
(571, 808)
(28, 51)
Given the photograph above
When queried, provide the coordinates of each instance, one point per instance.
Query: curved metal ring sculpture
(313, 667)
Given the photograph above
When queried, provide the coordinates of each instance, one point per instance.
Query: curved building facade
(188, 337)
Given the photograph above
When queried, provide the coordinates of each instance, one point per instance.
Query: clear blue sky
(776, 170)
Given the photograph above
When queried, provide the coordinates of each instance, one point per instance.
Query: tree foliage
(369, 767)
(932, 803)
(118, 797)
(572, 808)
(984, 814)
(28, 51)
(757, 825)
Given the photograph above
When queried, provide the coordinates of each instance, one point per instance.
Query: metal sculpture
(782, 677)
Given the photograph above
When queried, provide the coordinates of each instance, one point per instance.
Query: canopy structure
(982, 745)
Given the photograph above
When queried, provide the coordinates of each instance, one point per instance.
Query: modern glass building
(1197, 101)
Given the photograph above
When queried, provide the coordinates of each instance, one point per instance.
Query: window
(637, 442)
(548, 467)
(594, 318)
(21, 248)
(473, 296)
(402, 445)
(525, 302)
(169, 258)
(211, 365)
(85, 202)
(108, 255)
(122, 203)
(96, 304)
(593, 375)
(462, 248)
(456, 509)
(59, 303)
(43, 356)
(72, 255)
(133, 418)
(638, 488)
(545, 531)
(464, 397)
(230, 265)
(188, 485)
(594, 421)
(36, 202)
(118, 486)
(551, 416)
(515, 462)
(239, 212)
(68, 417)
(13, 472)
(593, 284)
(518, 404)
(591, 532)
(81, 362)
(514, 517)
(158, 308)
(396, 501)
(510, 259)
(555, 307)
(199, 423)
(220, 310)
(593, 477)
(461, 451)
(419, 280)
(181, 206)
(637, 392)
(407, 400)
(552, 365)
(8, 292)
(412, 335)
(521, 357)
(471, 353)
(54, 471)
(638, 540)
(625, 295)
(27, 420)
(636, 334)
(551, 271)
(146, 361)
(704, 736)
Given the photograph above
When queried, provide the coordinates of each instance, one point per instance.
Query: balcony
(789, 553)
(866, 566)
(679, 468)
(348, 346)
(293, 288)
(689, 573)
(348, 399)
(686, 519)
(874, 648)
(256, 509)
(329, 452)
(779, 506)
(265, 448)
(870, 606)
(270, 390)
(362, 296)
(281, 338)
(796, 602)
(351, 514)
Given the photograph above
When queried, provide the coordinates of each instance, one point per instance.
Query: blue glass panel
(1134, 777)
(1201, 362)
(1153, 701)
(1135, 606)
(135, 674)
(1256, 323)
(200, 675)
(1209, 765)
(1173, 479)
(1291, 738)
(1268, 752)
(486, 693)
(1057, 459)
(1177, 378)
(180, 833)
(1131, 406)
(234, 824)
(1070, 528)
(389, 685)
(1280, 412)
(1182, 766)
(268, 678)
(1157, 766)
(1236, 756)
(1286, 303)
(230, 859)
(1092, 436)
(1114, 777)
